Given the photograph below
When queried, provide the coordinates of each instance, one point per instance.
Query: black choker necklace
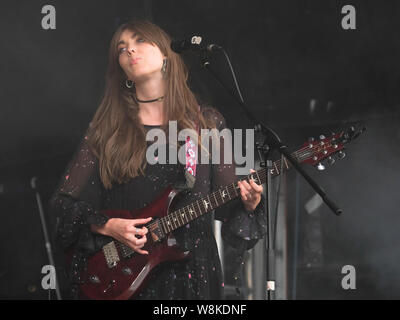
(147, 101)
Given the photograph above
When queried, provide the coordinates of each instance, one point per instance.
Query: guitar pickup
(156, 231)
(111, 254)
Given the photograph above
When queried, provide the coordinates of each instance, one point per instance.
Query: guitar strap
(191, 160)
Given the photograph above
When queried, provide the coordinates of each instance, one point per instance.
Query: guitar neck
(181, 217)
(311, 152)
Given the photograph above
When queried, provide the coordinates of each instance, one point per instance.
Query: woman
(146, 87)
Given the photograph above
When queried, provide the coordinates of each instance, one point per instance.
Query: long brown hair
(115, 134)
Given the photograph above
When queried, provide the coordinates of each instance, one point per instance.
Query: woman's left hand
(250, 193)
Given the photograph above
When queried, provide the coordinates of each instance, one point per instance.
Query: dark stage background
(299, 71)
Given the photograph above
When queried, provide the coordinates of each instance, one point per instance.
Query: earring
(129, 83)
(164, 66)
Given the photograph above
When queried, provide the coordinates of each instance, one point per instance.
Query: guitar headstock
(325, 148)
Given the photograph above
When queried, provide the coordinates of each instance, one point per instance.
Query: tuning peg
(311, 139)
(331, 160)
(322, 137)
(341, 154)
(320, 167)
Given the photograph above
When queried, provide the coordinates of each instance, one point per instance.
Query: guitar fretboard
(183, 216)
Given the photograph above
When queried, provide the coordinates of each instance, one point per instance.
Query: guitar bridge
(111, 254)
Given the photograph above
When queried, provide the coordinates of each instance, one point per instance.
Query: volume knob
(94, 279)
(127, 271)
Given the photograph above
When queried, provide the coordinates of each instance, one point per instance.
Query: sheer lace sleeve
(240, 229)
(77, 200)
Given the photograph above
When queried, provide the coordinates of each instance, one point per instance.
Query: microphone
(193, 44)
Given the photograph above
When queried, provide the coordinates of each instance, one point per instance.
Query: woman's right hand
(125, 231)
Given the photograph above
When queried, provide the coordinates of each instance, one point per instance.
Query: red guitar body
(129, 275)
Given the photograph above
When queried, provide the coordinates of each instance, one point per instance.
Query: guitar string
(299, 153)
(174, 215)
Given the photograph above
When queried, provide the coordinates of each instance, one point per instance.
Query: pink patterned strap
(190, 156)
(191, 159)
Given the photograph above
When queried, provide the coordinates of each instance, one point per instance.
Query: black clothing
(80, 195)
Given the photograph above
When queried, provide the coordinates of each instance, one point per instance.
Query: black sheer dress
(80, 195)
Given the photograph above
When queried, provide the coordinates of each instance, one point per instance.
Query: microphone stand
(47, 240)
(271, 142)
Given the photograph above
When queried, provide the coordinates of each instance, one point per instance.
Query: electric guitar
(118, 272)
